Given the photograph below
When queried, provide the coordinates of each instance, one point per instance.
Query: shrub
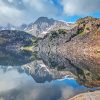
(54, 34)
(62, 31)
(87, 28)
(80, 31)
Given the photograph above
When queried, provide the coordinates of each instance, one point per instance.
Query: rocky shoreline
(87, 96)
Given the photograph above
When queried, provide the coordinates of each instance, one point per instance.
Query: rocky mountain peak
(44, 19)
(44, 25)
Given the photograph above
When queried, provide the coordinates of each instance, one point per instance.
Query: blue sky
(26, 11)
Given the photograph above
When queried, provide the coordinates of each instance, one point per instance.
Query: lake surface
(20, 86)
(16, 84)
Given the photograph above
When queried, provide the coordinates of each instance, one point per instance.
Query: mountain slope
(16, 47)
(13, 39)
(43, 25)
(83, 50)
(78, 47)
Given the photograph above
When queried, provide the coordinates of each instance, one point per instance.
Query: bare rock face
(79, 47)
(83, 50)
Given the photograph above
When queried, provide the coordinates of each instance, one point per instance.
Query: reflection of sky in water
(70, 82)
(20, 86)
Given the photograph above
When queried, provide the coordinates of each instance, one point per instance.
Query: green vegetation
(80, 31)
(34, 42)
(87, 28)
(60, 68)
(97, 52)
(27, 48)
(54, 34)
(53, 64)
(62, 31)
(32, 46)
(34, 56)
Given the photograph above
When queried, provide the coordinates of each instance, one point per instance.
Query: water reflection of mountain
(60, 63)
(75, 51)
(46, 67)
(15, 85)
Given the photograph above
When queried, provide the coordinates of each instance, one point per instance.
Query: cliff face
(79, 47)
(83, 50)
(86, 44)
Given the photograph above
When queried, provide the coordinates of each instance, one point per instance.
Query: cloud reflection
(20, 86)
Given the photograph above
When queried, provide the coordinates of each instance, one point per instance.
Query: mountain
(77, 49)
(23, 27)
(63, 46)
(83, 50)
(41, 72)
(40, 27)
(15, 40)
(43, 25)
(8, 27)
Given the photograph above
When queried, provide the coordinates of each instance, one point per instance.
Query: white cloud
(27, 11)
(80, 7)
(36, 4)
(9, 14)
(20, 86)
(10, 0)
(11, 11)
(14, 80)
